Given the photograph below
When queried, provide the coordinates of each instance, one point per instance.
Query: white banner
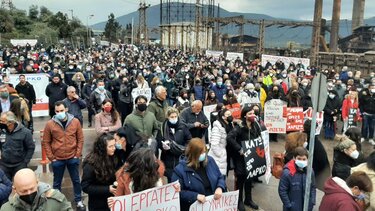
(39, 82)
(214, 54)
(155, 199)
(286, 60)
(273, 116)
(319, 119)
(145, 92)
(227, 202)
(233, 56)
(23, 42)
(266, 139)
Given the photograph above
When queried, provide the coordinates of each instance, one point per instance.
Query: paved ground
(265, 195)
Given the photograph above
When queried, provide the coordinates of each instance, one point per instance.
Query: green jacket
(47, 199)
(145, 124)
(158, 109)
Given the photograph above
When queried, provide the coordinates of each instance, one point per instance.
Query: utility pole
(316, 31)
(335, 26)
(143, 35)
(198, 21)
(7, 4)
(71, 11)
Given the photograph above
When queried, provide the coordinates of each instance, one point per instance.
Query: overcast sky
(294, 9)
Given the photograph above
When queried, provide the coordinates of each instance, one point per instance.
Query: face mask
(373, 90)
(3, 126)
(101, 88)
(354, 154)
(219, 83)
(29, 198)
(118, 146)
(61, 116)
(284, 75)
(142, 107)
(4, 95)
(304, 84)
(251, 118)
(108, 109)
(305, 144)
(202, 157)
(301, 163)
(230, 119)
(331, 96)
(71, 67)
(173, 121)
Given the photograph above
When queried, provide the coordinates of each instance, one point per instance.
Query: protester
(366, 105)
(125, 103)
(63, 142)
(342, 194)
(198, 175)
(195, 120)
(87, 89)
(293, 182)
(292, 141)
(211, 99)
(172, 139)
(98, 96)
(158, 104)
(28, 91)
(30, 194)
(331, 110)
(99, 168)
(350, 103)
(219, 89)
(5, 187)
(5, 99)
(20, 108)
(122, 148)
(108, 120)
(17, 147)
(74, 103)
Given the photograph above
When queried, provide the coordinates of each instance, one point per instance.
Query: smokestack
(335, 25)
(358, 13)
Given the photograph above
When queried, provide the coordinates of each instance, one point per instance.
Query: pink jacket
(103, 122)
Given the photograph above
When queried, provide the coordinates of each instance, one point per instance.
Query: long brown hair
(114, 114)
(193, 150)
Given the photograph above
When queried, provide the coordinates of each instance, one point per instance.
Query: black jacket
(367, 102)
(332, 105)
(18, 147)
(320, 162)
(342, 163)
(97, 190)
(28, 91)
(188, 118)
(56, 92)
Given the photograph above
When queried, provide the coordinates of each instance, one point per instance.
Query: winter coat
(292, 188)
(219, 92)
(331, 108)
(56, 92)
(145, 124)
(191, 183)
(347, 104)
(218, 144)
(320, 161)
(181, 136)
(75, 107)
(46, 199)
(63, 143)
(371, 173)
(18, 147)
(125, 95)
(10, 100)
(97, 190)
(367, 102)
(338, 196)
(5, 187)
(28, 91)
(103, 121)
(96, 101)
(342, 164)
(188, 118)
(158, 108)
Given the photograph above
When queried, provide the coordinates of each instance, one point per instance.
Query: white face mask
(331, 96)
(373, 90)
(354, 154)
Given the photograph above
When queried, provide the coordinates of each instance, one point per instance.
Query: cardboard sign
(319, 119)
(273, 116)
(351, 117)
(39, 82)
(227, 202)
(255, 157)
(294, 118)
(155, 199)
(286, 60)
(146, 92)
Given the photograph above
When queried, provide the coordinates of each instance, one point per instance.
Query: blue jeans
(58, 168)
(368, 126)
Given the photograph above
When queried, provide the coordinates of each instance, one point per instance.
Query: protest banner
(286, 60)
(266, 141)
(23, 42)
(214, 54)
(138, 91)
(255, 157)
(227, 202)
(39, 82)
(233, 56)
(319, 119)
(351, 117)
(164, 198)
(273, 116)
(207, 110)
(294, 118)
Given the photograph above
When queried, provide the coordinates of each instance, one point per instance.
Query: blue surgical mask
(219, 83)
(118, 146)
(301, 163)
(101, 88)
(173, 121)
(202, 157)
(61, 116)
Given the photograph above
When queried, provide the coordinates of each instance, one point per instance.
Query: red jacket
(346, 105)
(337, 198)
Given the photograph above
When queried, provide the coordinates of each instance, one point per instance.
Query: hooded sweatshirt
(338, 196)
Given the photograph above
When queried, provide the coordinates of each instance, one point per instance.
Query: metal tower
(7, 4)
(198, 22)
(143, 35)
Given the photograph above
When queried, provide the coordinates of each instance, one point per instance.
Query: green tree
(33, 12)
(45, 14)
(112, 27)
(21, 22)
(6, 21)
(60, 22)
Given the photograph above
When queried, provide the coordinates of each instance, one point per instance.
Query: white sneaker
(371, 142)
(362, 140)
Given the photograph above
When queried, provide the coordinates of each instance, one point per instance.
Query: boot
(248, 196)
(89, 124)
(241, 206)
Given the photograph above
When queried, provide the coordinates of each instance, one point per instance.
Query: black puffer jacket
(342, 163)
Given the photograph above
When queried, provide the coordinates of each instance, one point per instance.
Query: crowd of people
(145, 142)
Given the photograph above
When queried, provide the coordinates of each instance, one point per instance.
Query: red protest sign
(294, 118)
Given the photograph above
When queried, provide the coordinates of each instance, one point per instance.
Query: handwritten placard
(227, 202)
(273, 116)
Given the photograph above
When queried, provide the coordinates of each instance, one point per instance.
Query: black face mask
(29, 198)
(3, 126)
(142, 107)
(230, 119)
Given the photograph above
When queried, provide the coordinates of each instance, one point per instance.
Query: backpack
(277, 165)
